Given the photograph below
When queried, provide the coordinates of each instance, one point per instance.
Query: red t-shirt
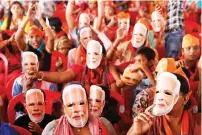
(90, 77)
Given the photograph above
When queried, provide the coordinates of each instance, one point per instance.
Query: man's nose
(36, 108)
(77, 109)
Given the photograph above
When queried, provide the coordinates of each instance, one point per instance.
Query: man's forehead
(124, 20)
(166, 81)
(29, 58)
(74, 94)
(35, 97)
(94, 93)
(93, 48)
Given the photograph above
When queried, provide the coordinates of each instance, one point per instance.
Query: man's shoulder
(48, 118)
(22, 119)
(19, 79)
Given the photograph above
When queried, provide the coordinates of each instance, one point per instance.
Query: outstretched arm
(98, 20)
(20, 32)
(50, 42)
(112, 50)
(69, 13)
(57, 77)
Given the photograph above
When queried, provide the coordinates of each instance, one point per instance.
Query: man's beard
(36, 120)
(162, 111)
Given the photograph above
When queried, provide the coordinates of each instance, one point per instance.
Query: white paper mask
(94, 54)
(139, 35)
(157, 21)
(96, 100)
(35, 98)
(84, 20)
(167, 93)
(75, 105)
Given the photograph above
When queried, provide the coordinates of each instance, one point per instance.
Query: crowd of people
(146, 53)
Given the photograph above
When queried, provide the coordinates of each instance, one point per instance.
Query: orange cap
(166, 65)
(189, 40)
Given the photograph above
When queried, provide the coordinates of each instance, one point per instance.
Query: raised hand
(142, 123)
(120, 33)
(30, 10)
(38, 14)
(181, 63)
(33, 127)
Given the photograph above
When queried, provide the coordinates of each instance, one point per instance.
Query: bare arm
(6, 42)
(98, 20)
(119, 37)
(142, 123)
(69, 13)
(50, 42)
(19, 36)
(148, 73)
(57, 77)
(20, 32)
(114, 87)
(112, 50)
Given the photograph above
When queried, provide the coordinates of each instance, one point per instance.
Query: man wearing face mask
(24, 82)
(96, 104)
(170, 107)
(96, 71)
(76, 119)
(156, 37)
(117, 52)
(146, 96)
(36, 119)
(35, 38)
(84, 34)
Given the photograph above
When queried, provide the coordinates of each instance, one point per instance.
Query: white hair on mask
(28, 53)
(155, 14)
(84, 16)
(32, 91)
(173, 77)
(140, 28)
(71, 87)
(84, 29)
(93, 43)
(97, 88)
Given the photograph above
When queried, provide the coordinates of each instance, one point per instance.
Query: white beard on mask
(165, 110)
(157, 28)
(93, 65)
(78, 123)
(137, 44)
(36, 120)
(139, 28)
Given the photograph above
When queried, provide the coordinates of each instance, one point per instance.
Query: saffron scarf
(184, 126)
(64, 128)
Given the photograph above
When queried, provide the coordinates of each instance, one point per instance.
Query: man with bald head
(35, 120)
